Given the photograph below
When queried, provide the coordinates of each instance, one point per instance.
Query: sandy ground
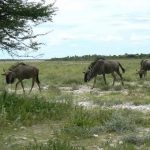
(89, 104)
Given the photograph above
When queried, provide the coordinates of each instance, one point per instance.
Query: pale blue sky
(103, 27)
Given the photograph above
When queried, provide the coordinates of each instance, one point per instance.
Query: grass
(77, 122)
(28, 110)
(120, 147)
(69, 126)
(53, 145)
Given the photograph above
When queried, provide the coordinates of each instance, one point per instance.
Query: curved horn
(84, 70)
(4, 70)
(3, 74)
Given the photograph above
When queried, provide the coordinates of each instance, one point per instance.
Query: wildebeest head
(140, 73)
(87, 75)
(10, 77)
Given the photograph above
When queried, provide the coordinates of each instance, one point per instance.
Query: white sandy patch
(87, 104)
(90, 105)
(143, 108)
(87, 89)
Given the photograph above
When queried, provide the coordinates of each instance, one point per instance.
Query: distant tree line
(94, 57)
(87, 57)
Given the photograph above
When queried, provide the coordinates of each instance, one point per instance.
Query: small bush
(74, 87)
(77, 132)
(88, 118)
(124, 146)
(54, 89)
(137, 140)
(54, 145)
(72, 81)
(120, 122)
(105, 87)
(84, 123)
(3, 117)
(118, 87)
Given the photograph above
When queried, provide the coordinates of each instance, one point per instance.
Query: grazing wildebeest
(145, 66)
(22, 71)
(102, 67)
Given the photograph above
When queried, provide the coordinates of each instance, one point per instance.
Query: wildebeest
(102, 67)
(145, 66)
(22, 71)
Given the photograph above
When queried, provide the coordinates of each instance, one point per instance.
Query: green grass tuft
(28, 110)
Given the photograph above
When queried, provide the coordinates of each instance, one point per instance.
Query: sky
(102, 27)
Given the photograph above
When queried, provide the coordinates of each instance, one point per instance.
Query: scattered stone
(87, 104)
(22, 128)
(112, 145)
(120, 142)
(45, 87)
(99, 148)
(24, 138)
(95, 135)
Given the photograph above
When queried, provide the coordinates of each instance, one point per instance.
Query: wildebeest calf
(22, 71)
(102, 67)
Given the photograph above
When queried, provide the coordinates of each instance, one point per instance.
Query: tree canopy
(17, 19)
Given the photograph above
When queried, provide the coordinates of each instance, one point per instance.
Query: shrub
(120, 122)
(54, 145)
(137, 140)
(84, 123)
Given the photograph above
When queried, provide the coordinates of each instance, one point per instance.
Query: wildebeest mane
(94, 62)
(16, 65)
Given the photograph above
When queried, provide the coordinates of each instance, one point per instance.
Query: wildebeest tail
(123, 70)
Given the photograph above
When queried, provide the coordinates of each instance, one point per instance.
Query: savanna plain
(69, 115)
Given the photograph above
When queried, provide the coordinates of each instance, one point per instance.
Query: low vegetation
(69, 115)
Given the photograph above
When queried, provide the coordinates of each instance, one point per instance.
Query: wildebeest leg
(16, 86)
(22, 87)
(38, 82)
(104, 78)
(120, 75)
(33, 80)
(94, 82)
(145, 74)
(114, 78)
(38, 86)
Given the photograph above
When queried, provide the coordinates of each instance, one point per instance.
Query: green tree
(17, 20)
